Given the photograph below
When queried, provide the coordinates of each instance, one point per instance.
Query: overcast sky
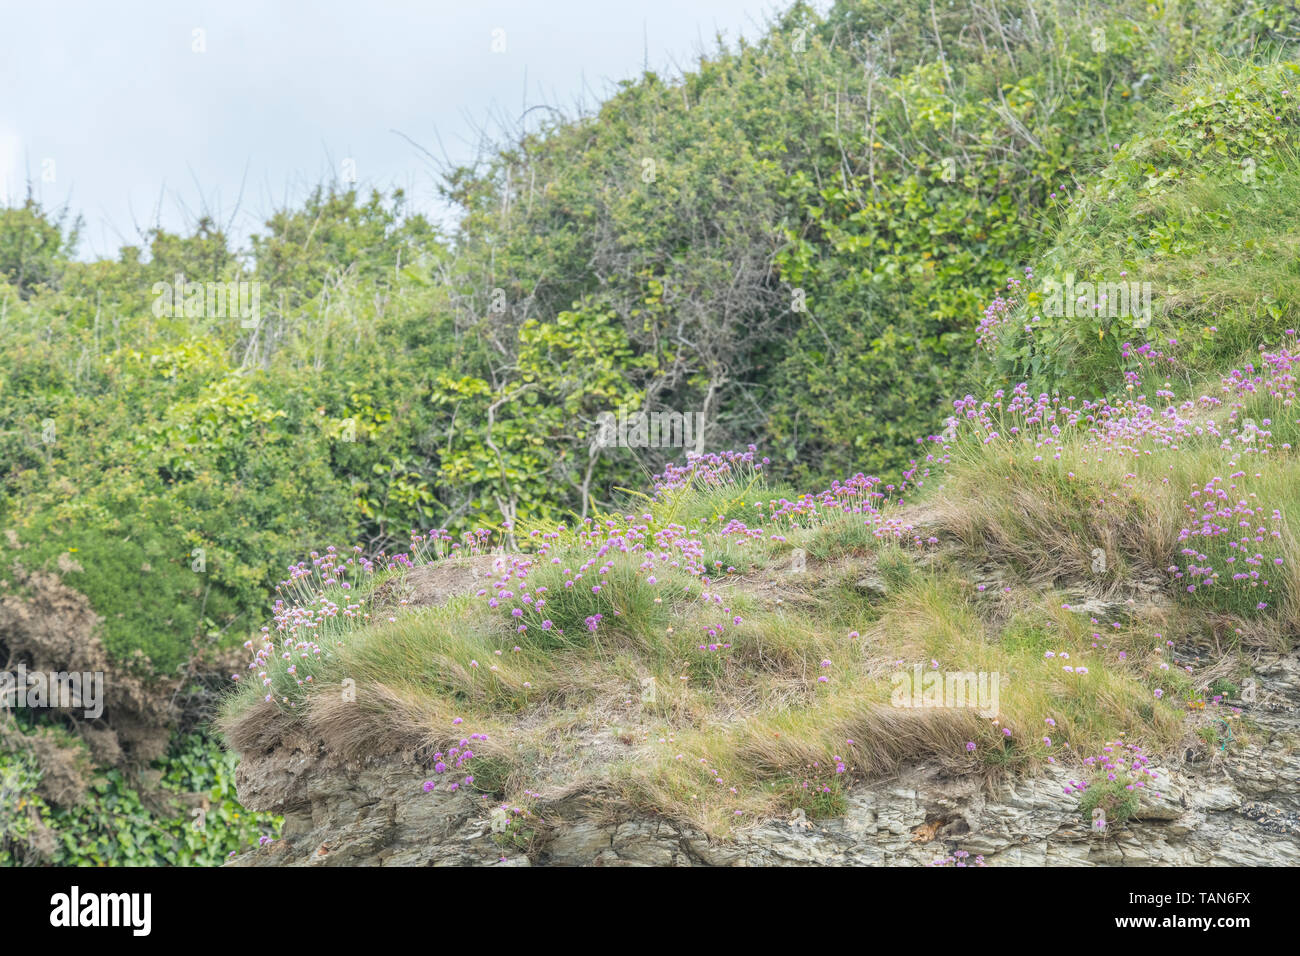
(135, 111)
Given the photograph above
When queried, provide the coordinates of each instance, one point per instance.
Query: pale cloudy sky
(129, 115)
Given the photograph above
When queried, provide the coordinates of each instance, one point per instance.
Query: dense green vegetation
(114, 826)
(795, 238)
(1198, 205)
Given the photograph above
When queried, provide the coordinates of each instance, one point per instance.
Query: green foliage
(1199, 206)
(797, 235)
(34, 247)
(18, 805)
(117, 825)
(518, 436)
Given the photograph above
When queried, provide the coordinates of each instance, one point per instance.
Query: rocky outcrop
(1238, 806)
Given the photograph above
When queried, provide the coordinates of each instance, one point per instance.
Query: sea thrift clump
(1117, 777)
(998, 313)
(958, 858)
(454, 761)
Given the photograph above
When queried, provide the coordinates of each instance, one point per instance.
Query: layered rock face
(1239, 806)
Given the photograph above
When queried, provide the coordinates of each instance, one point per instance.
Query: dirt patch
(48, 627)
(65, 770)
(429, 585)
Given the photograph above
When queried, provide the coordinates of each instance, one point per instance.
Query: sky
(134, 112)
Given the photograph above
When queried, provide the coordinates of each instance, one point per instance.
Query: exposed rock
(874, 585)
